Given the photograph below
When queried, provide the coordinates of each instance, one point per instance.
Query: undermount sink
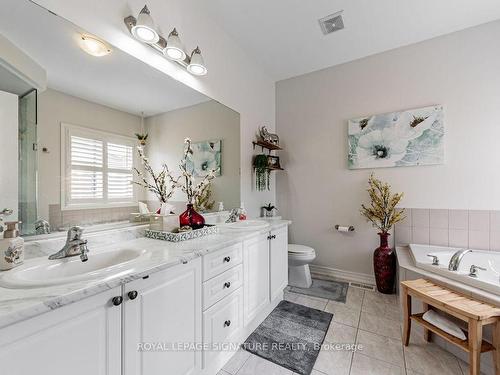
(248, 225)
(44, 272)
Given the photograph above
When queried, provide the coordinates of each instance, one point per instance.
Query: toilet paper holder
(340, 228)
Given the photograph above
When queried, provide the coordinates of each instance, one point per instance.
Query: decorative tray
(181, 236)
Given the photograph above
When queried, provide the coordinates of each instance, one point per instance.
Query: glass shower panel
(28, 162)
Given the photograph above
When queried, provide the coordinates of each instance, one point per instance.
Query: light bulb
(174, 49)
(197, 64)
(94, 46)
(144, 28)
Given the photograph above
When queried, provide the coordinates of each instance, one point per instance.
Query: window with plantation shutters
(97, 168)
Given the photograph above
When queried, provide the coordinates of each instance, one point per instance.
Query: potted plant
(142, 137)
(383, 214)
(261, 165)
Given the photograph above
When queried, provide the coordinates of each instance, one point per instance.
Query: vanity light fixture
(143, 28)
(94, 46)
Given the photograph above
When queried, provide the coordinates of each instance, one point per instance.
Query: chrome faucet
(457, 258)
(233, 215)
(74, 246)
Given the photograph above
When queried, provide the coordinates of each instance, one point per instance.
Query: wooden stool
(477, 314)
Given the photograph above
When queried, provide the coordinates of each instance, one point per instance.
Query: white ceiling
(285, 38)
(118, 80)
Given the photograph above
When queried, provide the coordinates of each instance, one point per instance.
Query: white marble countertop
(405, 260)
(20, 304)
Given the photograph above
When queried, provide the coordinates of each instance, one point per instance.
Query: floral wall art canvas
(207, 155)
(398, 139)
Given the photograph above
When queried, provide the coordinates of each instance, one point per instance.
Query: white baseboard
(322, 272)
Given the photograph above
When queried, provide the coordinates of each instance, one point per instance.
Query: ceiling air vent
(331, 23)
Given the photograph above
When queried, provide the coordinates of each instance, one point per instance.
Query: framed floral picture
(207, 155)
(397, 139)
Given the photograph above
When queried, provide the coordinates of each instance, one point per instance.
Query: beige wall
(207, 121)
(460, 71)
(55, 107)
(8, 152)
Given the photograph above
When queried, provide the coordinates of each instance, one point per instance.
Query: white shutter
(86, 152)
(86, 169)
(86, 185)
(120, 163)
(120, 186)
(98, 168)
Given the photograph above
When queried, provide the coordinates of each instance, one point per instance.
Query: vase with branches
(162, 183)
(192, 190)
(382, 213)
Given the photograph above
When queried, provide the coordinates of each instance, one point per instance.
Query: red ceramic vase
(384, 264)
(191, 218)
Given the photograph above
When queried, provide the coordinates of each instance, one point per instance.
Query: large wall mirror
(78, 138)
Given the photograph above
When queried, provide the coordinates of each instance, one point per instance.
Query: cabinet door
(79, 339)
(223, 323)
(278, 254)
(256, 276)
(165, 313)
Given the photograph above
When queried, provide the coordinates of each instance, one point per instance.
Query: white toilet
(299, 257)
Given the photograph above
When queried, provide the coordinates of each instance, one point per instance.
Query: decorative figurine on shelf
(383, 214)
(269, 137)
(190, 217)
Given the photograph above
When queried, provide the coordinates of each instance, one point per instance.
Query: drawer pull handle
(227, 259)
(132, 294)
(117, 301)
(227, 284)
(227, 323)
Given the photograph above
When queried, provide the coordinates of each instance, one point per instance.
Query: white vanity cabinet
(256, 276)
(163, 310)
(81, 338)
(278, 259)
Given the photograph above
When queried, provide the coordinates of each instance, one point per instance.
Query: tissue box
(164, 223)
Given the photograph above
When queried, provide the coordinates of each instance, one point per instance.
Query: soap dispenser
(11, 247)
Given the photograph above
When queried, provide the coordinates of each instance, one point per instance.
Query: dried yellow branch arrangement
(382, 212)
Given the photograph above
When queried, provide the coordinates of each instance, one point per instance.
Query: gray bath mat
(291, 336)
(334, 290)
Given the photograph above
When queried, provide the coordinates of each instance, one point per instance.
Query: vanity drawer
(222, 323)
(220, 286)
(216, 263)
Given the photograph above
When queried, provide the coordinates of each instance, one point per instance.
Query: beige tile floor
(368, 318)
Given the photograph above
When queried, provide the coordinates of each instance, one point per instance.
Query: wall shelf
(266, 145)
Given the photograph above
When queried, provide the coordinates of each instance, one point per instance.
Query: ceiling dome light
(174, 49)
(94, 46)
(144, 28)
(197, 65)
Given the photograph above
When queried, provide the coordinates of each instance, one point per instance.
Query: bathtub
(488, 280)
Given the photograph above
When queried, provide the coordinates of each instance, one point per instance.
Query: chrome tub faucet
(456, 259)
(75, 245)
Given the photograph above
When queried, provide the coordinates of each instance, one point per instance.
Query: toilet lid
(300, 249)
